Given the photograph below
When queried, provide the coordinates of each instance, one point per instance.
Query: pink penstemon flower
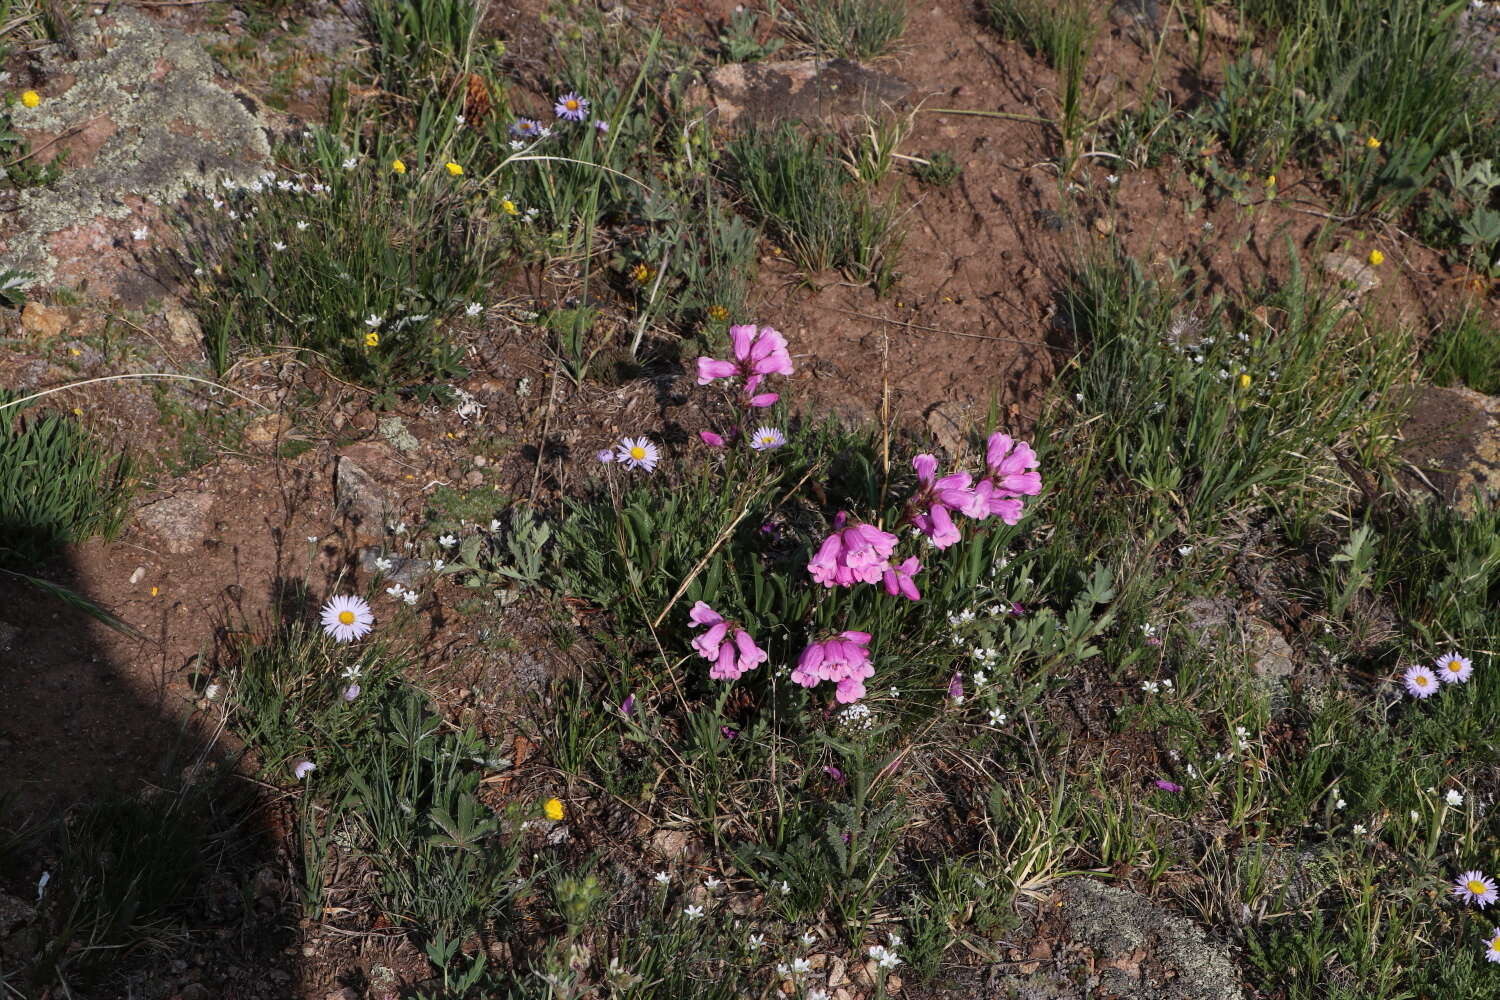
(930, 509)
(1010, 475)
(758, 352)
(728, 647)
(898, 579)
(844, 659)
(858, 553)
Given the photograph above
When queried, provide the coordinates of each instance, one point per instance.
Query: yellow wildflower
(553, 809)
(509, 207)
(1245, 380)
(641, 273)
(31, 98)
(1271, 181)
(455, 169)
(398, 167)
(1372, 142)
(718, 313)
(1376, 258)
(372, 339)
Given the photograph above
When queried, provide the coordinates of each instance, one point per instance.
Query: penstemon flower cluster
(855, 552)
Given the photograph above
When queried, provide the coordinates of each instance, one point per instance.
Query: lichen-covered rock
(761, 93)
(143, 122)
(1145, 950)
(1452, 439)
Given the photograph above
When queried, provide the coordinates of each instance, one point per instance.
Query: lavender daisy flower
(1454, 669)
(1420, 682)
(351, 692)
(601, 126)
(526, 128)
(1476, 887)
(605, 455)
(303, 768)
(637, 453)
(766, 438)
(571, 107)
(1492, 949)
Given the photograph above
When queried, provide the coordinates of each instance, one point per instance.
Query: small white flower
(808, 939)
(41, 885)
(756, 941)
(302, 227)
(1184, 550)
(1151, 687)
(1413, 815)
(351, 162)
(1340, 804)
(212, 692)
(786, 890)
(517, 145)
(411, 597)
(447, 541)
(1454, 798)
(997, 717)
(140, 234)
(383, 564)
(1360, 830)
(816, 994)
(1111, 180)
(661, 878)
(495, 525)
(396, 590)
(473, 309)
(312, 539)
(303, 768)
(895, 940)
(884, 957)
(346, 618)
(278, 246)
(801, 966)
(373, 321)
(1166, 685)
(458, 120)
(692, 912)
(437, 565)
(712, 884)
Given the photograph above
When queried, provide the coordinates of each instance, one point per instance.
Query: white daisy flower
(347, 618)
(638, 453)
(692, 912)
(1454, 798)
(473, 309)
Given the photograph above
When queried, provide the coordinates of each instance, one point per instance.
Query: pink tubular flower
(898, 579)
(1010, 477)
(843, 660)
(758, 352)
(859, 553)
(711, 439)
(956, 688)
(929, 511)
(1167, 786)
(729, 648)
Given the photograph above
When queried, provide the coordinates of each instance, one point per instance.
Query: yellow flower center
(1454, 667)
(1477, 887)
(571, 105)
(1421, 681)
(1495, 944)
(766, 439)
(346, 617)
(638, 453)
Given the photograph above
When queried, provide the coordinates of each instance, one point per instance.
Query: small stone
(183, 331)
(762, 93)
(1354, 272)
(670, 844)
(43, 321)
(13, 912)
(480, 461)
(359, 497)
(393, 429)
(1104, 226)
(8, 634)
(474, 478)
(181, 522)
(138, 575)
(892, 983)
(949, 423)
(266, 428)
(407, 572)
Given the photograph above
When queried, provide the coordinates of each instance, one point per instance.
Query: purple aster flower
(834, 773)
(303, 768)
(766, 438)
(627, 707)
(351, 692)
(601, 126)
(1476, 887)
(1454, 669)
(571, 107)
(526, 128)
(605, 455)
(1420, 682)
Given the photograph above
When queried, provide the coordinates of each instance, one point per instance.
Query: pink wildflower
(730, 654)
(843, 660)
(898, 579)
(859, 553)
(931, 507)
(1010, 477)
(758, 351)
(1168, 786)
(711, 439)
(956, 687)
